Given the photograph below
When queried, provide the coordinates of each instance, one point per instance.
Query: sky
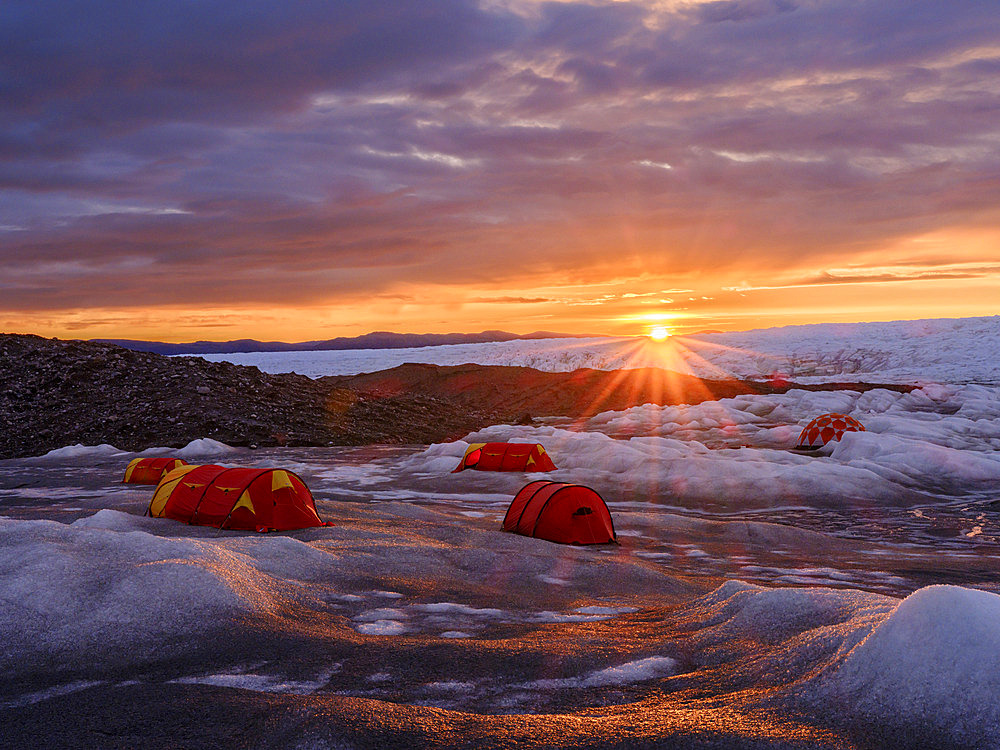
(306, 169)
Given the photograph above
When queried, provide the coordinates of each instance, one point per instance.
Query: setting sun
(659, 333)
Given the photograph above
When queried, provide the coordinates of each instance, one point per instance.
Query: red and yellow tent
(506, 457)
(150, 470)
(235, 498)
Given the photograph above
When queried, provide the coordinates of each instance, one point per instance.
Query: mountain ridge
(373, 340)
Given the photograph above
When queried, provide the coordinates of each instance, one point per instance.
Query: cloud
(828, 278)
(125, 65)
(511, 300)
(327, 151)
(880, 278)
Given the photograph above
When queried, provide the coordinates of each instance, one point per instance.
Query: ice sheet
(939, 350)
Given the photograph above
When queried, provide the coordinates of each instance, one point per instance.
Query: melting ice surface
(848, 598)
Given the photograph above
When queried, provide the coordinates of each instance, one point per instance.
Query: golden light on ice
(660, 333)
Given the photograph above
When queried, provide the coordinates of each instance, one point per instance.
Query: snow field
(733, 452)
(930, 659)
(147, 594)
(413, 562)
(907, 351)
(553, 355)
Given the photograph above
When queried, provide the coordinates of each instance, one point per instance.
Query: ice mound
(112, 520)
(685, 472)
(915, 462)
(453, 608)
(440, 458)
(935, 660)
(738, 611)
(960, 417)
(381, 627)
(204, 447)
(82, 451)
(928, 666)
(381, 621)
(98, 588)
(734, 452)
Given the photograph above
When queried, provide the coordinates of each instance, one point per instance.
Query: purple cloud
(321, 148)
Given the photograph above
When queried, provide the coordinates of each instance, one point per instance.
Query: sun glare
(659, 333)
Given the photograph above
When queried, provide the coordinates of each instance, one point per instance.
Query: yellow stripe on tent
(473, 447)
(130, 468)
(166, 486)
(280, 481)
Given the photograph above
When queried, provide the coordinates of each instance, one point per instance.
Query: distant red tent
(150, 470)
(825, 428)
(248, 499)
(506, 457)
(560, 512)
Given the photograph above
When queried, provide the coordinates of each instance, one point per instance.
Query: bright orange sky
(581, 167)
(598, 309)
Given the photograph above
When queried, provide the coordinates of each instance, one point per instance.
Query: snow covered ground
(759, 597)
(965, 350)
(725, 627)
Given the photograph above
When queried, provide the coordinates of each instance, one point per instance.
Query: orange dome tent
(150, 470)
(248, 499)
(825, 428)
(560, 512)
(506, 457)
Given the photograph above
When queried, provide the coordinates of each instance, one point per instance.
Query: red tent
(250, 499)
(825, 428)
(506, 457)
(150, 470)
(560, 512)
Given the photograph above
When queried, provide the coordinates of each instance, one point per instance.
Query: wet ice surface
(758, 595)
(890, 549)
(415, 598)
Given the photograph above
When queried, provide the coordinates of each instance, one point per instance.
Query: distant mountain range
(376, 340)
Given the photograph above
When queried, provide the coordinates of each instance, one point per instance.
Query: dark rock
(55, 393)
